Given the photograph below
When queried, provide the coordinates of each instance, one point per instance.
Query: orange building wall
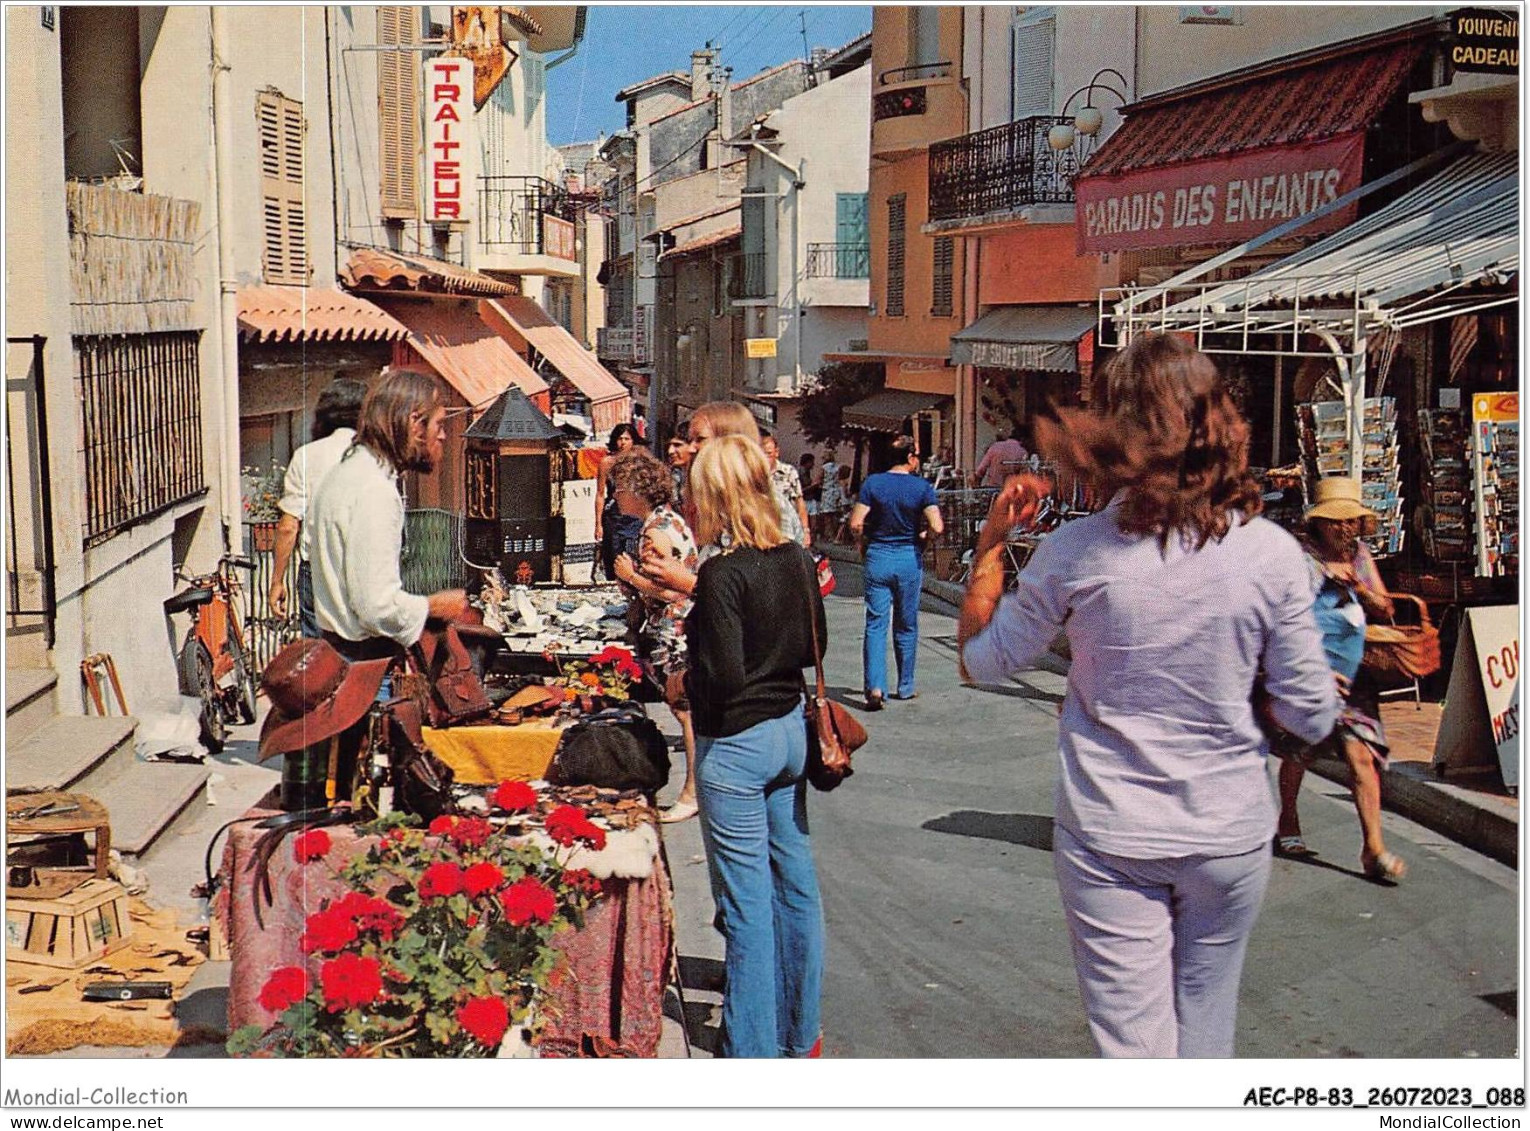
(917, 331)
(1037, 263)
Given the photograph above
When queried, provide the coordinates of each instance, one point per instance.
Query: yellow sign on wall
(759, 347)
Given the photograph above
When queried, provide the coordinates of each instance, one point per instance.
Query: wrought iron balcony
(747, 277)
(514, 215)
(839, 261)
(1000, 169)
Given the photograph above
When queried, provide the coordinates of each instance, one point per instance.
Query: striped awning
(1456, 232)
(887, 409)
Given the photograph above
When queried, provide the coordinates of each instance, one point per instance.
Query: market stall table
(609, 990)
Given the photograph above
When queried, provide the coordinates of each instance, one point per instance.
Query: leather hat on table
(315, 693)
(1338, 497)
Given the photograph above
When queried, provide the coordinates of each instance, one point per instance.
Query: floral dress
(663, 631)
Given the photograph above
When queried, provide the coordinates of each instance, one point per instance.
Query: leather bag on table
(422, 783)
(618, 748)
(833, 732)
(456, 693)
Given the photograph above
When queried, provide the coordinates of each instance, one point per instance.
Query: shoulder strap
(813, 622)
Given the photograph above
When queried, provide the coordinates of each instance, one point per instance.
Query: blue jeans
(893, 579)
(308, 620)
(754, 825)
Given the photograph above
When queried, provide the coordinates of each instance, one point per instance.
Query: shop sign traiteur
(1219, 199)
(448, 113)
(1486, 42)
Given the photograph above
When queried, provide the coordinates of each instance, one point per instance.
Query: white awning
(1448, 247)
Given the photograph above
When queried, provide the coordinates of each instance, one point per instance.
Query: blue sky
(627, 42)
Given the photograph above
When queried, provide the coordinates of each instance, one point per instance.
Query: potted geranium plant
(262, 510)
(606, 677)
(441, 946)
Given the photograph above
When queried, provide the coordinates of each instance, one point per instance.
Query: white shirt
(355, 530)
(306, 470)
(1161, 755)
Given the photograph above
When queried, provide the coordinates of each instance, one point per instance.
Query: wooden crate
(70, 931)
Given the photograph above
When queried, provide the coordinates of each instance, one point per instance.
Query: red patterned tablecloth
(610, 987)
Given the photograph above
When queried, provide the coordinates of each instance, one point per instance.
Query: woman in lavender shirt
(1172, 599)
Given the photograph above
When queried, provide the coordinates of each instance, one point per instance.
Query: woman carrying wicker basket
(1347, 588)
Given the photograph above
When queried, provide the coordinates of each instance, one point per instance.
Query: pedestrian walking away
(334, 427)
(750, 637)
(1346, 589)
(1171, 598)
(893, 512)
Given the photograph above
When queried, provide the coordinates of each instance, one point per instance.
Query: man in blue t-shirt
(894, 507)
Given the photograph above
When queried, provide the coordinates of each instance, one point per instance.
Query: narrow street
(946, 937)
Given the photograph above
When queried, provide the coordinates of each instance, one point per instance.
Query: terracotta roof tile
(312, 314)
(372, 269)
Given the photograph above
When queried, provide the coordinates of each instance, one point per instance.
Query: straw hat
(1338, 497)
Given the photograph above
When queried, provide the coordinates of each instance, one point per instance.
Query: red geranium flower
(328, 930)
(310, 845)
(440, 880)
(485, 1019)
(528, 900)
(567, 825)
(442, 825)
(582, 880)
(370, 913)
(482, 877)
(470, 832)
(513, 796)
(284, 988)
(350, 981)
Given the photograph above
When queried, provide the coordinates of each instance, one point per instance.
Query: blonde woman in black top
(750, 637)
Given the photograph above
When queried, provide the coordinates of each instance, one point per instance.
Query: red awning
(449, 336)
(522, 322)
(1224, 161)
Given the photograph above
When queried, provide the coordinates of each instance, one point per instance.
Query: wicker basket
(1409, 650)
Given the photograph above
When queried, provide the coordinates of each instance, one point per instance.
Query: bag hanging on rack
(833, 733)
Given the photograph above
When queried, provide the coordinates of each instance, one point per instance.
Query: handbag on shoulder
(833, 733)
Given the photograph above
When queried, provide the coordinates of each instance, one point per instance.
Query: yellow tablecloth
(487, 755)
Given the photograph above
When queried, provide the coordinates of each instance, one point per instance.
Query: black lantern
(514, 480)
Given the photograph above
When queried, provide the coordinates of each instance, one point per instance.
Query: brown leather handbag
(455, 692)
(833, 732)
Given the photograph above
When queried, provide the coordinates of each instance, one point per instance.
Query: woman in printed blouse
(644, 490)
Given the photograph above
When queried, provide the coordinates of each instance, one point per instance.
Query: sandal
(679, 811)
(1388, 868)
(1292, 847)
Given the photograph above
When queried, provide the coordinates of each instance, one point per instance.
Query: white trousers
(1159, 945)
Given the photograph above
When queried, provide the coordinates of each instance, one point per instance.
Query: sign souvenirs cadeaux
(1219, 200)
(1486, 42)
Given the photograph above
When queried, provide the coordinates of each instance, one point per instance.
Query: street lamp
(1089, 118)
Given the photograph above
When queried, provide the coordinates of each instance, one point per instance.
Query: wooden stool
(38, 814)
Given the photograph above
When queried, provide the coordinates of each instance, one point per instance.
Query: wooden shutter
(941, 291)
(1032, 60)
(398, 113)
(284, 223)
(897, 223)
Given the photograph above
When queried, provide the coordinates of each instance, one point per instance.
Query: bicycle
(213, 664)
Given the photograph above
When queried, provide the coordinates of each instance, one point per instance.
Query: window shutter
(284, 223)
(1032, 61)
(941, 295)
(398, 113)
(897, 223)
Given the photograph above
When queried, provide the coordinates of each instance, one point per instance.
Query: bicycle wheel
(196, 669)
(244, 675)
